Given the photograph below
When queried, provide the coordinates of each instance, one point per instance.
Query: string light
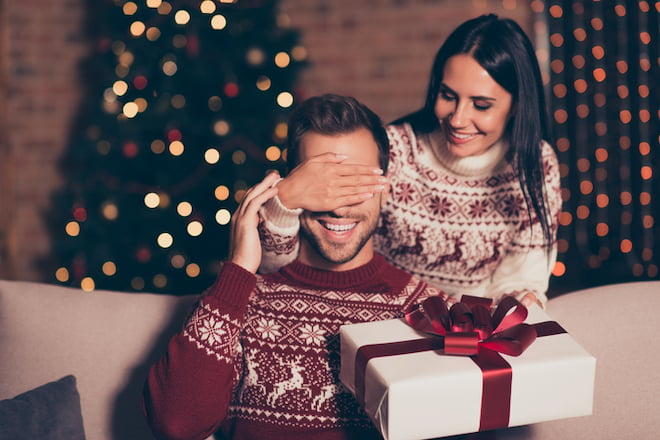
(109, 268)
(193, 270)
(195, 228)
(62, 275)
(218, 22)
(221, 193)
(151, 200)
(606, 176)
(72, 228)
(177, 261)
(212, 156)
(165, 240)
(285, 99)
(223, 217)
(176, 148)
(184, 209)
(273, 153)
(182, 17)
(207, 7)
(87, 284)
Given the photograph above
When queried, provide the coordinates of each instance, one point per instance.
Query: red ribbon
(468, 325)
(496, 371)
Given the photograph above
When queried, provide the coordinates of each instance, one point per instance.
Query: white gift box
(430, 394)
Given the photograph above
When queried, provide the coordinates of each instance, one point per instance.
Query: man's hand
(323, 183)
(244, 245)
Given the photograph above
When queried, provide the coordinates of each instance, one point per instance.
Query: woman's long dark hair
(501, 47)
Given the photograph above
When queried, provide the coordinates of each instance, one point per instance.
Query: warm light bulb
(72, 228)
(176, 148)
(195, 228)
(130, 109)
(165, 240)
(218, 22)
(211, 156)
(62, 275)
(184, 209)
(221, 192)
(87, 284)
(223, 216)
(151, 200)
(182, 17)
(285, 99)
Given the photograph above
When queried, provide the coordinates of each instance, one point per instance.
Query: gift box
(412, 389)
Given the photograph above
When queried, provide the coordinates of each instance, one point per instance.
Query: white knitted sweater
(460, 224)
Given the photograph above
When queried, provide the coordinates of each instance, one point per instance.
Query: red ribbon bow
(468, 325)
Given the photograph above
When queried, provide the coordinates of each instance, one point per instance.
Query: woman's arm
(526, 272)
(524, 275)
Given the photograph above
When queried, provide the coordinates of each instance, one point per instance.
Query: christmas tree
(185, 108)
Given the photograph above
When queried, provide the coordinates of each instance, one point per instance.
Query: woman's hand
(323, 183)
(529, 299)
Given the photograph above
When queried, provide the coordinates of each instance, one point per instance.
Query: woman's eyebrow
(483, 98)
(446, 88)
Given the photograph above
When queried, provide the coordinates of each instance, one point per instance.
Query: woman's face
(472, 108)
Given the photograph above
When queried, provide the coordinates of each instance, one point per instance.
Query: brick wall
(379, 51)
(42, 44)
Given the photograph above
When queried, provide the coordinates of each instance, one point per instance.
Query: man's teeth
(339, 228)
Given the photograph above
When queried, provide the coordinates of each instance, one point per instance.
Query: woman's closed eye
(482, 105)
(447, 95)
(479, 103)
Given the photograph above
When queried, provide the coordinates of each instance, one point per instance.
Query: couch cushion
(106, 339)
(48, 412)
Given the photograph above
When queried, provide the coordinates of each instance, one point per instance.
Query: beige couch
(108, 340)
(105, 339)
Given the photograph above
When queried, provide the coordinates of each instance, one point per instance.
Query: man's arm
(189, 389)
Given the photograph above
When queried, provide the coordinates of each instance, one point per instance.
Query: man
(259, 356)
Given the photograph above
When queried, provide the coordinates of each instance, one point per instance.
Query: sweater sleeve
(188, 391)
(278, 231)
(519, 274)
(529, 269)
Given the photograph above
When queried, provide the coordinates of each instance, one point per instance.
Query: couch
(107, 340)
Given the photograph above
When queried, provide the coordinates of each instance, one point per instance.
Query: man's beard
(336, 253)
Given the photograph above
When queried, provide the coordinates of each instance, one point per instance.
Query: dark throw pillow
(49, 412)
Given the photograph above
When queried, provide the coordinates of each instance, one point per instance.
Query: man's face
(341, 239)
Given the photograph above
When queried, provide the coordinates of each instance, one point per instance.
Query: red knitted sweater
(259, 356)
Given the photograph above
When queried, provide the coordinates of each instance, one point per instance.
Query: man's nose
(339, 212)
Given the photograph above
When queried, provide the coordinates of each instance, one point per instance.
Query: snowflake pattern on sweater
(460, 224)
(455, 222)
(282, 349)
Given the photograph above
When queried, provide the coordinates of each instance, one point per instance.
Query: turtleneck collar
(347, 279)
(490, 162)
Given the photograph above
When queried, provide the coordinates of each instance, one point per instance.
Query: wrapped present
(442, 372)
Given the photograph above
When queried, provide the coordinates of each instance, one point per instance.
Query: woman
(475, 187)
